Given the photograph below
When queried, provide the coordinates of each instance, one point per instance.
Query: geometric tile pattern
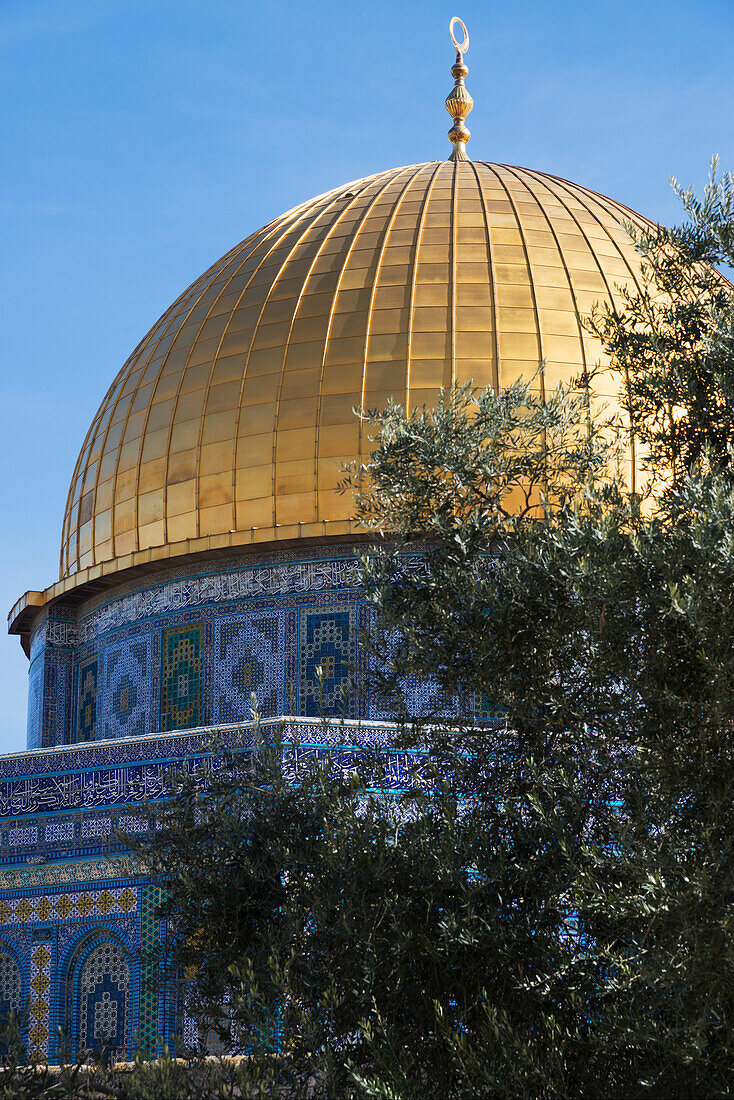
(10, 984)
(181, 678)
(263, 628)
(104, 996)
(75, 871)
(59, 830)
(127, 688)
(198, 647)
(38, 1008)
(100, 826)
(327, 643)
(126, 823)
(187, 651)
(50, 719)
(56, 716)
(116, 901)
(105, 899)
(150, 936)
(18, 836)
(249, 658)
(421, 696)
(187, 1025)
(87, 720)
(36, 675)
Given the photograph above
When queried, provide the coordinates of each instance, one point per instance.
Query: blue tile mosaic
(181, 699)
(127, 687)
(97, 826)
(249, 658)
(20, 835)
(182, 650)
(103, 997)
(35, 701)
(125, 636)
(56, 710)
(57, 914)
(87, 712)
(11, 984)
(327, 657)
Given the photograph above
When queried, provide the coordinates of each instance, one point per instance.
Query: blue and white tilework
(77, 912)
(249, 658)
(250, 611)
(88, 683)
(96, 826)
(62, 806)
(20, 835)
(104, 1000)
(127, 685)
(50, 680)
(36, 674)
(327, 660)
(11, 983)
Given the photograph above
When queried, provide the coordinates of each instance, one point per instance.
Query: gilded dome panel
(231, 420)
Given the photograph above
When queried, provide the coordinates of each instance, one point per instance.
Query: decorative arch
(97, 994)
(11, 980)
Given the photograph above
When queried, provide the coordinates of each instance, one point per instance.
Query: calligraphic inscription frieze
(92, 790)
(180, 745)
(135, 783)
(177, 595)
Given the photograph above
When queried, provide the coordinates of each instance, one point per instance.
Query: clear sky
(143, 138)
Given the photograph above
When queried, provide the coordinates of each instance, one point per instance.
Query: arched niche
(97, 991)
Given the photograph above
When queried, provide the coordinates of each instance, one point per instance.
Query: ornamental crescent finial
(459, 103)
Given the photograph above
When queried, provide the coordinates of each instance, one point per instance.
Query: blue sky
(144, 138)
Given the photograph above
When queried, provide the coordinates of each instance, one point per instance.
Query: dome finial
(459, 103)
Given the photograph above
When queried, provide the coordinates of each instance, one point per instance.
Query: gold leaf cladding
(364, 291)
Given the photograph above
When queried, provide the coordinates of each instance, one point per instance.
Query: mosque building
(205, 554)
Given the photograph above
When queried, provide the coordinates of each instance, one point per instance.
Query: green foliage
(673, 339)
(353, 927)
(164, 1078)
(596, 615)
(547, 910)
(447, 483)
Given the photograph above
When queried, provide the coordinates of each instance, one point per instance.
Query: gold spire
(459, 103)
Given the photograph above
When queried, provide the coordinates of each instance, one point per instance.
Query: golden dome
(230, 422)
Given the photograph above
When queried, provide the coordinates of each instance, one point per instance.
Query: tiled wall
(78, 919)
(191, 648)
(60, 952)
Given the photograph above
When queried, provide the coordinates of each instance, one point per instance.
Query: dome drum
(187, 648)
